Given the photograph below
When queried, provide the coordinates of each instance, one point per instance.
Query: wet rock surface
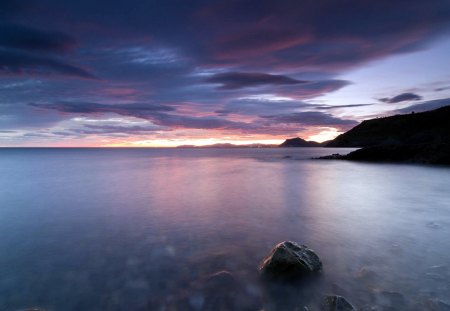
(289, 260)
(336, 303)
(389, 299)
(220, 291)
(437, 305)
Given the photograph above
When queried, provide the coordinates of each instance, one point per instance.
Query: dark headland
(299, 142)
(417, 138)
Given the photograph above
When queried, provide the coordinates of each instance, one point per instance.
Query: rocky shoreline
(290, 270)
(291, 267)
(399, 153)
(411, 138)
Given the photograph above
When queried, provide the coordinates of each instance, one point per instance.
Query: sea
(186, 229)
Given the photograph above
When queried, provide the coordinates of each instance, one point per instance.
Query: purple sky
(167, 73)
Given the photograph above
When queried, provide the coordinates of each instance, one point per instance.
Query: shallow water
(143, 229)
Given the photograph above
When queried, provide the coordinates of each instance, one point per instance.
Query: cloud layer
(401, 98)
(227, 68)
(238, 80)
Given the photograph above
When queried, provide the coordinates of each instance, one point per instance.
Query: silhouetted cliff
(415, 128)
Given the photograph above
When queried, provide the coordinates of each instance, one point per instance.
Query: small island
(299, 142)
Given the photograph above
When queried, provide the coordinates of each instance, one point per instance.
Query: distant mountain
(298, 142)
(228, 146)
(414, 128)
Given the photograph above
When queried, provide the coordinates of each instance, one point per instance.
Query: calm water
(143, 229)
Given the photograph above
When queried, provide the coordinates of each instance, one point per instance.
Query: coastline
(438, 153)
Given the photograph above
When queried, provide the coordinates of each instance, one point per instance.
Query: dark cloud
(10, 8)
(92, 129)
(253, 106)
(440, 89)
(313, 118)
(182, 121)
(266, 40)
(401, 98)
(30, 51)
(322, 33)
(161, 52)
(14, 62)
(140, 110)
(19, 117)
(328, 107)
(428, 105)
(313, 88)
(261, 34)
(158, 114)
(26, 38)
(238, 80)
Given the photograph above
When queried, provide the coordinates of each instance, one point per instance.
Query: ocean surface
(145, 229)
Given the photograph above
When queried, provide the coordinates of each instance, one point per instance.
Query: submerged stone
(389, 299)
(222, 280)
(437, 305)
(336, 303)
(222, 291)
(290, 260)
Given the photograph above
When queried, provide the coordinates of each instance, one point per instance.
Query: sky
(188, 72)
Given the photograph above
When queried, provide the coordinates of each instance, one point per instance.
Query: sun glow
(198, 139)
(170, 143)
(328, 134)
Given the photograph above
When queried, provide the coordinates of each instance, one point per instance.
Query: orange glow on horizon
(177, 138)
(172, 143)
(324, 135)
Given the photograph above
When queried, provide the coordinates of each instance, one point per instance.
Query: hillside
(298, 142)
(415, 128)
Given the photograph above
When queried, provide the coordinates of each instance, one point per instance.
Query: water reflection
(148, 229)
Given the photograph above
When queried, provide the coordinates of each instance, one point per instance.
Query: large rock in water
(336, 303)
(289, 260)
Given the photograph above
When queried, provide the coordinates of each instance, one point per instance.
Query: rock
(437, 305)
(438, 269)
(334, 156)
(370, 308)
(196, 301)
(436, 276)
(222, 291)
(365, 274)
(336, 303)
(290, 260)
(430, 153)
(222, 280)
(390, 299)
